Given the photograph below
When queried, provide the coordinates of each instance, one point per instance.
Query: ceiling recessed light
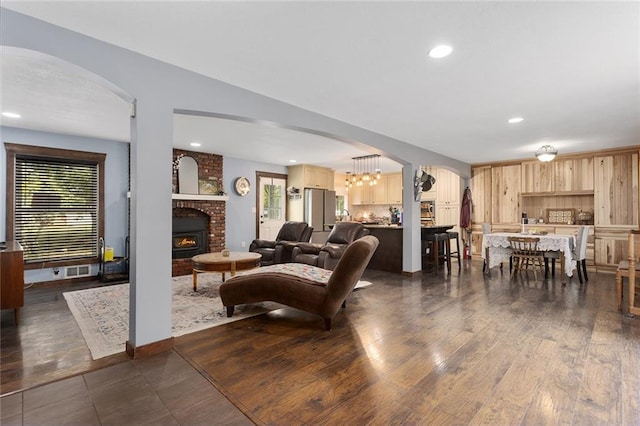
(11, 114)
(515, 120)
(440, 51)
(293, 161)
(195, 144)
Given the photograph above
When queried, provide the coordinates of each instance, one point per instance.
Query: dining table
(497, 249)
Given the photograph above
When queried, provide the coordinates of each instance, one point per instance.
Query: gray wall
(241, 211)
(116, 184)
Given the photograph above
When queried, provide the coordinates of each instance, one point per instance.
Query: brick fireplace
(207, 212)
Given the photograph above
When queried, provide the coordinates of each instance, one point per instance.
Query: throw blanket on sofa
(301, 270)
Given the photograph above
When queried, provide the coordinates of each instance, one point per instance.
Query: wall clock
(242, 186)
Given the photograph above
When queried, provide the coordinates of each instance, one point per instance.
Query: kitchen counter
(379, 226)
(427, 228)
(388, 256)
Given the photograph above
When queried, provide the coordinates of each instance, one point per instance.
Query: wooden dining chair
(526, 256)
(630, 268)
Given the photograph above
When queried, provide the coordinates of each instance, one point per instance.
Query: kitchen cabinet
(481, 194)
(388, 190)
(537, 176)
(505, 194)
(616, 189)
(12, 278)
(568, 175)
(379, 191)
(616, 206)
(611, 244)
(448, 215)
(318, 177)
(388, 255)
(573, 174)
(476, 240)
(448, 187)
(359, 195)
(303, 176)
(394, 188)
(306, 176)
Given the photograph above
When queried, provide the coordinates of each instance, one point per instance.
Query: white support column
(150, 222)
(411, 259)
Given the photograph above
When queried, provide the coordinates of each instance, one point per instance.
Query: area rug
(102, 313)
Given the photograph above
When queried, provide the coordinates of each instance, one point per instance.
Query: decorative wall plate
(242, 186)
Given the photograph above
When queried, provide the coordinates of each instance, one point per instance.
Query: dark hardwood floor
(47, 344)
(457, 349)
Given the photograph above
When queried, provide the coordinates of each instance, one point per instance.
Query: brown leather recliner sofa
(328, 254)
(279, 251)
(312, 289)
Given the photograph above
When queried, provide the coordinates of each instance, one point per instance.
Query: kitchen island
(388, 256)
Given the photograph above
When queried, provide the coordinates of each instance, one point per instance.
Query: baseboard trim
(411, 274)
(54, 283)
(137, 352)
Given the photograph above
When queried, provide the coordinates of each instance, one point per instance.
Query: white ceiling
(571, 69)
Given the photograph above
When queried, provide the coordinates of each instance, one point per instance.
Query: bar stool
(453, 235)
(433, 241)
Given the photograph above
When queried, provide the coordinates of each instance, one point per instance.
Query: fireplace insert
(189, 237)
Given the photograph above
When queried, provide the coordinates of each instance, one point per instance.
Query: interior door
(271, 206)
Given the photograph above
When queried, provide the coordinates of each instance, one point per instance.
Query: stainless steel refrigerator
(320, 212)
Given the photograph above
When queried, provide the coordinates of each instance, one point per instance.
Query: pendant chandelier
(366, 171)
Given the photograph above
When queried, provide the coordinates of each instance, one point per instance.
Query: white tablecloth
(500, 250)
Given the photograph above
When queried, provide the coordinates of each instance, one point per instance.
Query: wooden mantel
(193, 197)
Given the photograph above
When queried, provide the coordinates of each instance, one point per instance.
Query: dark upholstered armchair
(279, 251)
(327, 255)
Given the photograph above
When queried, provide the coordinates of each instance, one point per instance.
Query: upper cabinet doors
(448, 187)
(574, 175)
(616, 192)
(505, 194)
(571, 175)
(537, 176)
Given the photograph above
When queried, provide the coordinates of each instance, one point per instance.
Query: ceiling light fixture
(365, 169)
(195, 144)
(440, 51)
(11, 114)
(546, 153)
(293, 161)
(515, 120)
(347, 180)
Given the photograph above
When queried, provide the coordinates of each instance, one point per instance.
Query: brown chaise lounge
(309, 291)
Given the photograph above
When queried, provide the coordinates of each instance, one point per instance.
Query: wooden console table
(11, 278)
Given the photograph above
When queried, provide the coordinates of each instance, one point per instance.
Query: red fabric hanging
(466, 209)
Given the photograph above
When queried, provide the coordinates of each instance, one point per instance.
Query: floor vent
(78, 271)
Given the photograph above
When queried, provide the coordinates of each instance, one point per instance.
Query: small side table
(216, 262)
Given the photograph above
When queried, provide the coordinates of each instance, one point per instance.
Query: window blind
(56, 208)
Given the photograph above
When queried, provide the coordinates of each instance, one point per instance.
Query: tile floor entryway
(162, 389)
